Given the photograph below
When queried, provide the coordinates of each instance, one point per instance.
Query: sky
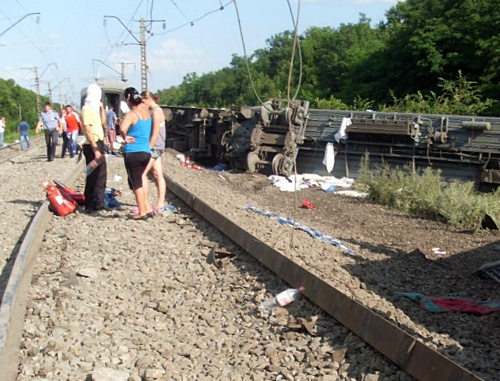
(71, 43)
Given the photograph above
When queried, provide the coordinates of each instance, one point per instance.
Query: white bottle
(92, 165)
(280, 300)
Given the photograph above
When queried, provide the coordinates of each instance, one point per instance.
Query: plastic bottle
(280, 300)
(92, 165)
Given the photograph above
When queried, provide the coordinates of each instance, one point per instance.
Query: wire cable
(151, 16)
(181, 12)
(290, 72)
(296, 43)
(291, 131)
(107, 50)
(192, 22)
(252, 84)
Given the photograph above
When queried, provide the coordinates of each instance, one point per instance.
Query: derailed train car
(245, 138)
(279, 135)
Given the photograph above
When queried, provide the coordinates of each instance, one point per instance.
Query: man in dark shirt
(23, 129)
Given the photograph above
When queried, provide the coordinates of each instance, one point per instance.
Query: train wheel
(252, 160)
(277, 163)
(287, 167)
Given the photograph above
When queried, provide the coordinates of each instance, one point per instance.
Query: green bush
(425, 194)
(458, 97)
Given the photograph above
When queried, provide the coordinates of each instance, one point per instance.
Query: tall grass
(425, 194)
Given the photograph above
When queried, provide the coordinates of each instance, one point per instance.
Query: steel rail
(411, 355)
(13, 307)
(11, 148)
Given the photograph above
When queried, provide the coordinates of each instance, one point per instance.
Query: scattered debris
(452, 304)
(309, 180)
(352, 193)
(219, 168)
(215, 257)
(491, 269)
(328, 188)
(487, 222)
(110, 198)
(309, 326)
(311, 231)
(438, 251)
(115, 179)
(88, 273)
(307, 204)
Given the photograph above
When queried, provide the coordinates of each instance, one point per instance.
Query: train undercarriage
(268, 138)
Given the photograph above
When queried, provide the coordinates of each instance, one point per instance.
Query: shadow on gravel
(7, 269)
(286, 323)
(34, 204)
(471, 335)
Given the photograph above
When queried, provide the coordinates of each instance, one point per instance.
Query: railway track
(11, 151)
(174, 298)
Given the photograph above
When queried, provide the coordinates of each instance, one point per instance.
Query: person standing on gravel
(2, 130)
(93, 121)
(136, 132)
(73, 126)
(23, 128)
(64, 134)
(111, 119)
(155, 164)
(50, 122)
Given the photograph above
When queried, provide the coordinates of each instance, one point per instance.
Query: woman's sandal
(143, 218)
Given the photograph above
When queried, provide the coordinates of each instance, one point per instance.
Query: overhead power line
(17, 22)
(142, 43)
(192, 22)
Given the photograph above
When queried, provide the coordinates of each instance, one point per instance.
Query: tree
(423, 44)
(432, 39)
(16, 103)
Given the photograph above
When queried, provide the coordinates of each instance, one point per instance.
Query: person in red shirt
(73, 129)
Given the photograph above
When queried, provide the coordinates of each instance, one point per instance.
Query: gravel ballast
(114, 298)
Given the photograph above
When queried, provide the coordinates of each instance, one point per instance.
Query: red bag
(60, 205)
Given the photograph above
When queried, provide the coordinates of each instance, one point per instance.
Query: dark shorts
(136, 163)
(156, 153)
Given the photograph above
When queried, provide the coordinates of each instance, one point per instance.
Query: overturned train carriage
(246, 138)
(278, 135)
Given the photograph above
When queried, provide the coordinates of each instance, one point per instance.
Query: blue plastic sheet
(312, 232)
(110, 198)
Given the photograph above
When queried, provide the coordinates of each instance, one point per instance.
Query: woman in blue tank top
(136, 132)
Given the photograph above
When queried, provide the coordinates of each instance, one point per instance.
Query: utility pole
(37, 84)
(60, 98)
(122, 74)
(59, 85)
(37, 88)
(50, 91)
(123, 70)
(144, 65)
(36, 71)
(142, 44)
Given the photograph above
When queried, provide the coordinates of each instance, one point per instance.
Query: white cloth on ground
(296, 182)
